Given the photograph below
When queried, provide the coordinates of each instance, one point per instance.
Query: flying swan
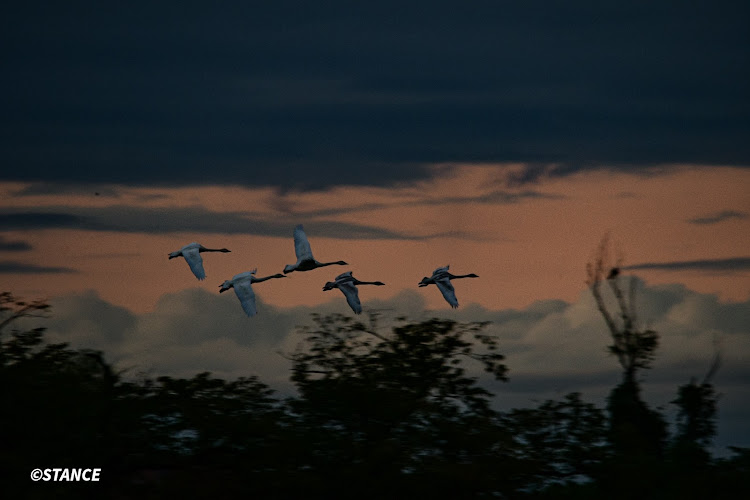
(442, 278)
(192, 254)
(347, 284)
(305, 260)
(242, 284)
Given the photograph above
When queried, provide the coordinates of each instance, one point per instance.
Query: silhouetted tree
(692, 470)
(697, 411)
(732, 475)
(637, 433)
(381, 413)
(16, 344)
(202, 434)
(633, 347)
(558, 443)
(384, 411)
(696, 417)
(56, 401)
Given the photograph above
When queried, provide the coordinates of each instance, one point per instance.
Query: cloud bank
(13, 267)
(552, 347)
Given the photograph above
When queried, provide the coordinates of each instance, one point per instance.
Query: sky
(503, 138)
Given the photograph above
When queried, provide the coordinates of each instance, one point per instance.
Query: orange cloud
(525, 242)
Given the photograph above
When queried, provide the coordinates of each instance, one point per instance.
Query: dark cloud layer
(719, 217)
(13, 245)
(129, 219)
(733, 264)
(296, 94)
(496, 197)
(38, 220)
(11, 267)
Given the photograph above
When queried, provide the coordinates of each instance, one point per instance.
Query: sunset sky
(502, 138)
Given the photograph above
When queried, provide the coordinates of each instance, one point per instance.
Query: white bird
(305, 259)
(347, 284)
(242, 284)
(192, 254)
(442, 278)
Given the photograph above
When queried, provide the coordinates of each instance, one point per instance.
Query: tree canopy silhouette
(396, 406)
(380, 411)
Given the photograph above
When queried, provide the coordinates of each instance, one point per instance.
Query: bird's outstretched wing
(195, 261)
(245, 293)
(449, 293)
(352, 296)
(344, 276)
(301, 245)
(441, 270)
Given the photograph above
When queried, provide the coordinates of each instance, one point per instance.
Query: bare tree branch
(716, 364)
(19, 309)
(633, 348)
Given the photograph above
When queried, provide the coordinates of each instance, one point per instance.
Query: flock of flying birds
(242, 283)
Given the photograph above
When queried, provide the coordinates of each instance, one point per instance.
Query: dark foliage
(697, 413)
(381, 413)
(560, 442)
(398, 407)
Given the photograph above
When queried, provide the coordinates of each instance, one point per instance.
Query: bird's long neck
(454, 277)
(258, 280)
(213, 250)
(369, 283)
(338, 263)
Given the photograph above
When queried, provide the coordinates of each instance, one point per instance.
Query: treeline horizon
(380, 412)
